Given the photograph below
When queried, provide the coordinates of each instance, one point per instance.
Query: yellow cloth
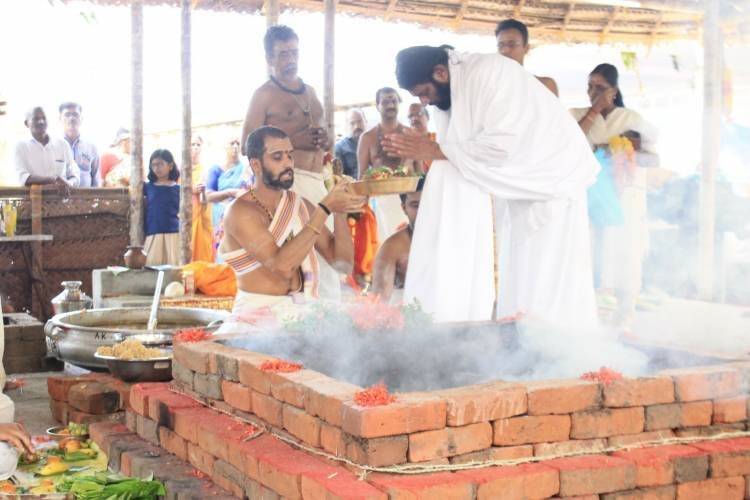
(202, 229)
(215, 280)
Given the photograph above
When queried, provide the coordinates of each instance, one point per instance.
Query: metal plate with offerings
(385, 180)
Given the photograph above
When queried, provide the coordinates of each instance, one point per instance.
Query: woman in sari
(203, 248)
(624, 144)
(224, 183)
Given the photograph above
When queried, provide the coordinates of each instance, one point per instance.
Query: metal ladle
(152, 319)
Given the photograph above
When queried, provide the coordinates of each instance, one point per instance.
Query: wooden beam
(389, 10)
(610, 23)
(713, 55)
(186, 176)
(272, 13)
(655, 31)
(518, 8)
(568, 15)
(461, 13)
(329, 56)
(136, 124)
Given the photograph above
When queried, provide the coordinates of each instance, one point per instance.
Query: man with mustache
(346, 147)
(392, 261)
(85, 153)
(418, 119)
(286, 102)
(44, 160)
(509, 160)
(275, 239)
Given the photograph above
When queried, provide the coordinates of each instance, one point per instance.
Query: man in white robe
(510, 160)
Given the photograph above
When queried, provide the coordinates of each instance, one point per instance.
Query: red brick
(639, 392)
(301, 425)
(593, 474)
(727, 411)
(93, 397)
(174, 444)
(659, 493)
(438, 486)
(695, 384)
(99, 430)
(450, 441)
(711, 430)
(605, 423)
(730, 488)
(237, 395)
(483, 402)
(268, 408)
(339, 487)
(216, 432)
(570, 447)
(193, 356)
(291, 388)
(199, 459)
(325, 398)
(250, 373)
(163, 403)
(495, 453)
(641, 438)
(59, 410)
(186, 422)
(377, 452)
(729, 457)
(527, 481)
(81, 417)
(139, 394)
(332, 440)
(560, 397)
(696, 414)
(412, 412)
(529, 430)
(666, 416)
(59, 385)
(656, 466)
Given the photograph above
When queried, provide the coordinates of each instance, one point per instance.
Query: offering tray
(391, 185)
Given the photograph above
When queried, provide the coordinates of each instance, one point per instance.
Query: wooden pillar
(328, 68)
(136, 124)
(713, 61)
(186, 176)
(272, 13)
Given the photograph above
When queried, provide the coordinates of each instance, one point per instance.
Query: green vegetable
(78, 455)
(103, 486)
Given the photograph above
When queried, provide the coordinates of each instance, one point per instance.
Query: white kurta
(506, 137)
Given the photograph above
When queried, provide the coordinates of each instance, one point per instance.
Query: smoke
(423, 356)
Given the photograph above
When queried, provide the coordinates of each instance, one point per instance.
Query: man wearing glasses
(513, 42)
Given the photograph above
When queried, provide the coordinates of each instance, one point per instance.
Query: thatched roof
(597, 21)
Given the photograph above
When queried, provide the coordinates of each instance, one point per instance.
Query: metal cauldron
(75, 336)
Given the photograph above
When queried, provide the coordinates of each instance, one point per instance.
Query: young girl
(162, 195)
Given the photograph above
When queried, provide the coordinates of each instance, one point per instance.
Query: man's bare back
(391, 263)
(299, 115)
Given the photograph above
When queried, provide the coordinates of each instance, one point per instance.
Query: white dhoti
(254, 310)
(311, 186)
(513, 143)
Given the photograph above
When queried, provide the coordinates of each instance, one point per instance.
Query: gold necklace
(268, 212)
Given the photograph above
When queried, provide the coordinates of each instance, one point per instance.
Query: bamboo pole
(136, 125)
(272, 13)
(712, 101)
(329, 56)
(186, 176)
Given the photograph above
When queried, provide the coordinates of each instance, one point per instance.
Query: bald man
(346, 147)
(44, 160)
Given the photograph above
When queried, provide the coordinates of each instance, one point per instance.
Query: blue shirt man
(85, 153)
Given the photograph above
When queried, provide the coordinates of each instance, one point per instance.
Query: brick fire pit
(490, 421)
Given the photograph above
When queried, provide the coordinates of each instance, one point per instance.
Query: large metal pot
(75, 336)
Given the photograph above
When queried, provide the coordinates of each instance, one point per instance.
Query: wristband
(313, 229)
(325, 208)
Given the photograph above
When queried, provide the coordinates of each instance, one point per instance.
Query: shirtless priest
(274, 239)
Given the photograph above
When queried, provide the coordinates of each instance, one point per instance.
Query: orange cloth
(214, 280)
(365, 235)
(202, 228)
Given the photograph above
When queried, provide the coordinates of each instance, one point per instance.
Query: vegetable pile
(104, 486)
(381, 173)
(377, 395)
(280, 366)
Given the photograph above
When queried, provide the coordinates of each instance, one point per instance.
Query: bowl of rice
(133, 361)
